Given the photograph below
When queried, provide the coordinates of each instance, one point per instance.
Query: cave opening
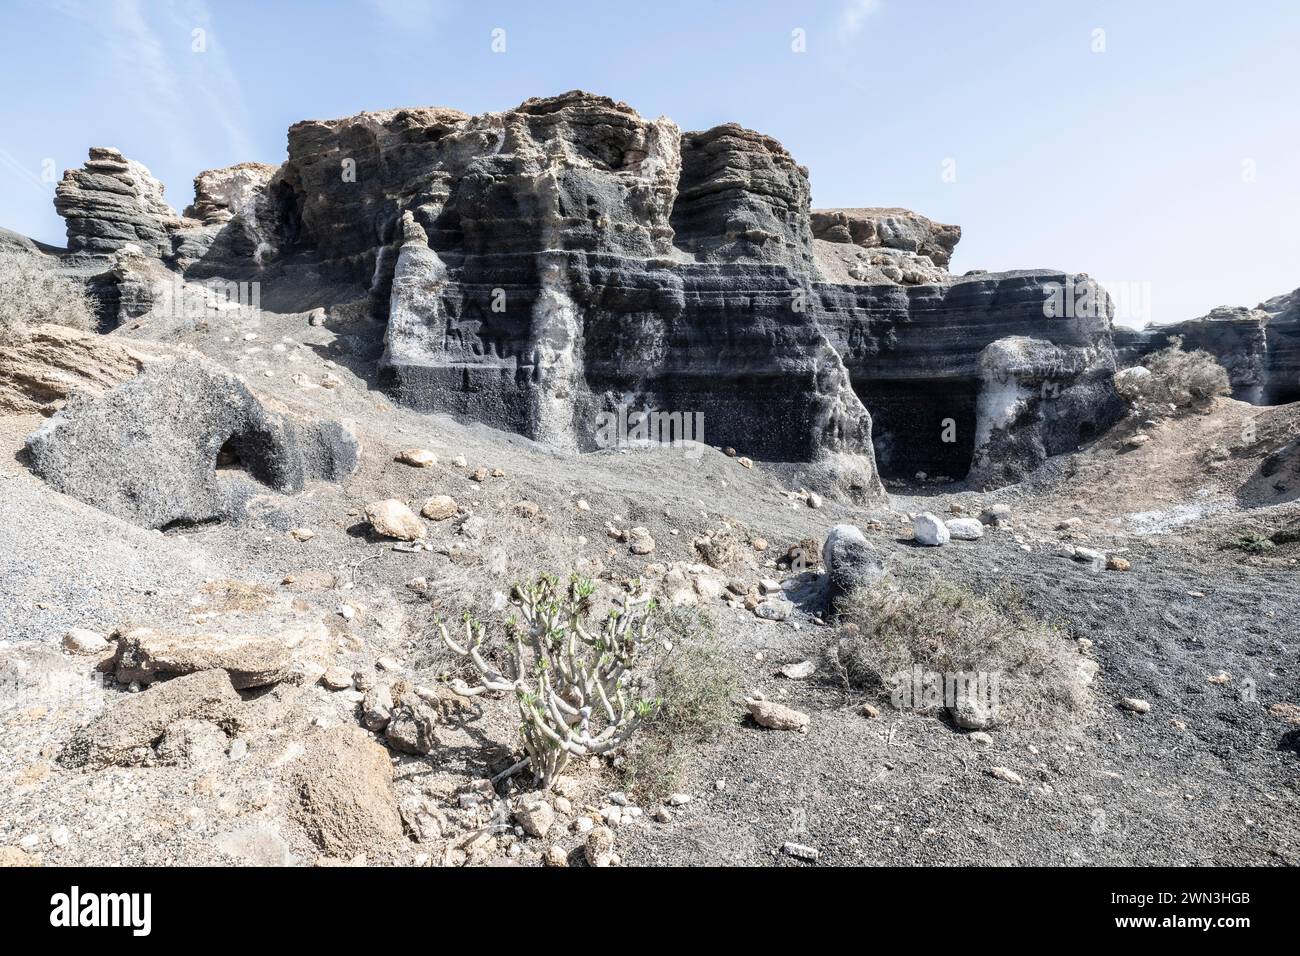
(921, 425)
(247, 455)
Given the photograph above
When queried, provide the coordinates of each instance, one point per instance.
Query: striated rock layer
(544, 265)
(1259, 347)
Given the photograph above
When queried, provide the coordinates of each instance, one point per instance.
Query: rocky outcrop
(56, 362)
(112, 202)
(545, 265)
(878, 246)
(1259, 347)
(182, 443)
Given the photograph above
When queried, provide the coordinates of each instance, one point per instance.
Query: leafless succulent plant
(576, 687)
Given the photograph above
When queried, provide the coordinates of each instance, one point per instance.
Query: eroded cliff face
(1259, 347)
(544, 265)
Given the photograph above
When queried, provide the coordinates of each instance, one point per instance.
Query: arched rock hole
(244, 456)
(921, 425)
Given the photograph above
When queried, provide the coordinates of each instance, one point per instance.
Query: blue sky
(1167, 165)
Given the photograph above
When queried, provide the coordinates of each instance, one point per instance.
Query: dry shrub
(32, 293)
(698, 687)
(948, 629)
(1178, 378)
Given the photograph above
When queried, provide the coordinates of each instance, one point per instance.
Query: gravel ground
(1217, 786)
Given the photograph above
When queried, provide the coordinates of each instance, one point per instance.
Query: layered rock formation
(540, 266)
(1259, 347)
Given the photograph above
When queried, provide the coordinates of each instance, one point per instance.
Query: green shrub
(698, 687)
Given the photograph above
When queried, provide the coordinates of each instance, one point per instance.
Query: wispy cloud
(854, 16)
(408, 16)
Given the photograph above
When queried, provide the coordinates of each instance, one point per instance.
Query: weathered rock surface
(56, 363)
(183, 442)
(1259, 347)
(127, 730)
(344, 785)
(113, 201)
(542, 265)
(251, 660)
(850, 562)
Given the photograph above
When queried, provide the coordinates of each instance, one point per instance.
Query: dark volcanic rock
(544, 266)
(114, 201)
(183, 442)
(1259, 347)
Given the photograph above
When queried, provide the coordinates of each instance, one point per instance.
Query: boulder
(850, 562)
(125, 733)
(344, 789)
(392, 519)
(181, 443)
(930, 530)
(774, 716)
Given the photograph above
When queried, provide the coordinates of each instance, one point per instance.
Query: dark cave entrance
(248, 455)
(921, 425)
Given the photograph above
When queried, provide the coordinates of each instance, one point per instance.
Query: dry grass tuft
(948, 629)
(699, 688)
(31, 294)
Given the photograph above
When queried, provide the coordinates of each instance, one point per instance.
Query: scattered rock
(1116, 564)
(411, 728)
(996, 515)
(78, 640)
(302, 534)
(536, 817)
(774, 716)
(417, 457)
(964, 529)
(337, 678)
(600, 847)
(929, 530)
(640, 542)
(527, 509)
(678, 799)
(392, 519)
(774, 609)
(377, 708)
(555, 856)
(981, 739)
(1135, 704)
(870, 710)
(801, 851)
(969, 713)
(745, 462)
(800, 671)
(814, 500)
(480, 474)
(1009, 776)
(439, 508)
(1287, 711)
